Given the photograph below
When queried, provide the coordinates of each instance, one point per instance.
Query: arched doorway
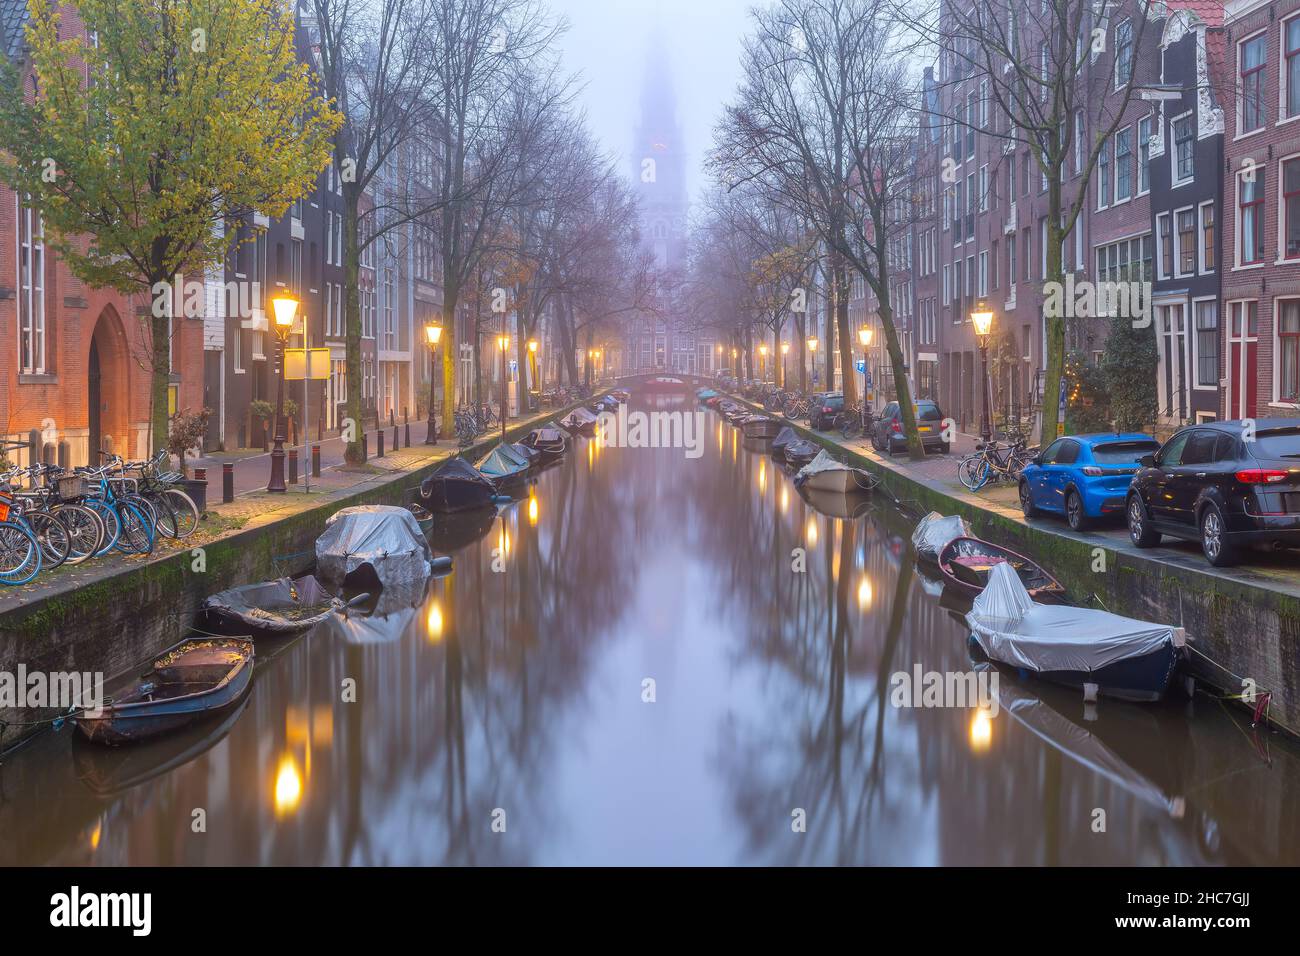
(108, 414)
(95, 402)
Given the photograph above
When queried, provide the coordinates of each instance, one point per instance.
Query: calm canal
(518, 697)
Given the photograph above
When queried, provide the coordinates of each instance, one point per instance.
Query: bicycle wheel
(137, 530)
(52, 536)
(969, 471)
(20, 554)
(981, 475)
(850, 426)
(790, 411)
(112, 525)
(184, 512)
(85, 530)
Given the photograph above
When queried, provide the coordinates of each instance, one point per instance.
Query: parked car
(1227, 485)
(1083, 477)
(823, 407)
(887, 430)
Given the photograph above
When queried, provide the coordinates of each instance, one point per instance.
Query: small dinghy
(531, 455)
(503, 465)
(1102, 653)
(373, 547)
(824, 473)
(621, 394)
(283, 606)
(549, 443)
(196, 679)
(801, 452)
(761, 426)
(423, 516)
(786, 436)
(580, 421)
(967, 563)
(934, 531)
(456, 485)
(705, 394)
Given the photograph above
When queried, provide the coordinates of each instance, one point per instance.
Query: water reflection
(517, 682)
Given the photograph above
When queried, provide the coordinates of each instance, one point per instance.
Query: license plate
(924, 428)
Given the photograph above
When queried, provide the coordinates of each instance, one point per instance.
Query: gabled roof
(13, 17)
(1210, 11)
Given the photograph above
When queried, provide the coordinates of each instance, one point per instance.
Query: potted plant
(263, 411)
(185, 434)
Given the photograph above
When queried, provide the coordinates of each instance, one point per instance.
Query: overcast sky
(607, 42)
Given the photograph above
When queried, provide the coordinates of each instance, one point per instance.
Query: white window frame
(1196, 346)
(1200, 238)
(1160, 247)
(31, 294)
(1240, 93)
(1178, 248)
(1144, 145)
(1116, 199)
(1174, 181)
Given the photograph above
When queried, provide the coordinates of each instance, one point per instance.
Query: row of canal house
(73, 377)
(1197, 192)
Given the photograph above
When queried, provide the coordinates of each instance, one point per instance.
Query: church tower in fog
(658, 171)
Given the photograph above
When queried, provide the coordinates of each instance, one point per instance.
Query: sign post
(306, 364)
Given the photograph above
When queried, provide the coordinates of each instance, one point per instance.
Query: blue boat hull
(1142, 678)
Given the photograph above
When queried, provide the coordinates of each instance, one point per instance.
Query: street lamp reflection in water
(532, 507)
(785, 499)
(810, 530)
(981, 730)
(762, 475)
(865, 593)
(433, 622)
(288, 786)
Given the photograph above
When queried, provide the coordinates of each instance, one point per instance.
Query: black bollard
(365, 447)
(293, 466)
(315, 461)
(227, 482)
(379, 443)
(397, 445)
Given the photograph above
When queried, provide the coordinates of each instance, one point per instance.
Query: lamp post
(982, 318)
(503, 343)
(432, 332)
(812, 356)
(785, 350)
(762, 363)
(284, 308)
(864, 336)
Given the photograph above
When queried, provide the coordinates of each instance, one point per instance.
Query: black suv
(887, 430)
(1227, 485)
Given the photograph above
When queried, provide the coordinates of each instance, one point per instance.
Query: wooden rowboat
(196, 679)
(966, 563)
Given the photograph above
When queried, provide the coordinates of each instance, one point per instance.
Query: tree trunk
(1054, 325)
(841, 279)
(352, 333)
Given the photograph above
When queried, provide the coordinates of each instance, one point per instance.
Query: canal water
(660, 659)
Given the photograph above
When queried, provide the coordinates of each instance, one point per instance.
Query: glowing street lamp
(785, 350)
(762, 352)
(284, 308)
(982, 318)
(432, 332)
(533, 381)
(503, 343)
(864, 336)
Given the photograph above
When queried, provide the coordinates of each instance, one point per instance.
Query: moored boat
(372, 547)
(801, 452)
(761, 426)
(934, 531)
(282, 606)
(196, 679)
(549, 443)
(503, 465)
(1102, 653)
(456, 485)
(968, 562)
(824, 473)
(423, 516)
(580, 421)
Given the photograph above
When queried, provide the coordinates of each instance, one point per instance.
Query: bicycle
(20, 552)
(993, 461)
(853, 421)
(175, 513)
(796, 407)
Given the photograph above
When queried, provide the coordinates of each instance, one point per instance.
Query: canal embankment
(1243, 624)
(108, 619)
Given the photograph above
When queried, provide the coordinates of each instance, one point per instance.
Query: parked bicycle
(993, 461)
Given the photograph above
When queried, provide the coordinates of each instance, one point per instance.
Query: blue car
(1083, 477)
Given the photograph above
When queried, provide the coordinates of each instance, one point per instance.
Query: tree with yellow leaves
(143, 136)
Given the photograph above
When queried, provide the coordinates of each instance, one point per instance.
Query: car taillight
(1261, 476)
(895, 426)
(1092, 471)
(826, 409)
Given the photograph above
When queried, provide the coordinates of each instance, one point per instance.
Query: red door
(1243, 345)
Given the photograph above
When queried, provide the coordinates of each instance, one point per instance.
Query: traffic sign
(306, 363)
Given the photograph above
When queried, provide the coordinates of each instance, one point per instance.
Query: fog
(608, 43)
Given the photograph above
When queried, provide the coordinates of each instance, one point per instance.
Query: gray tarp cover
(1012, 629)
(386, 538)
(934, 531)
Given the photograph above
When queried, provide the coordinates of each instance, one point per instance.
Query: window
(984, 274)
(1207, 237)
(971, 198)
(1186, 241)
(1011, 259)
(31, 290)
(1103, 176)
(984, 189)
(1123, 164)
(1166, 245)
(1292, 29)
(1251, 54)
(1184, 149)
(1207, 343)
(947, 287)
(1250, 193)
(1288, 350)
(971, 119)
(1291, 208)
(1144, 155)
(1123, 52)
(1078, 141)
